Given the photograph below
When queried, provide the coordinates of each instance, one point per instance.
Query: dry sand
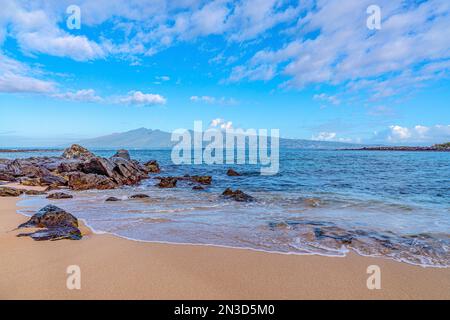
(115, 268)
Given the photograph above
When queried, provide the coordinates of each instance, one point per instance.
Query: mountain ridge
(143, 138)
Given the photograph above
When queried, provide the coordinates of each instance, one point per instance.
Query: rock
(198, 188)
(53, 234)
(34, 192)
(127, 172)
(237, 195)
(139, 196)
(10, 192)
(59, 195)
(152, 166)
(51, 216)
(30, 182)
(76, 151)
(68, 166)
(100, 166)
(112, 199)
(82, 181)
(167, 182)
(201, 179)
(6, 177)
(206, 180)
(122, 153)
(232, 173)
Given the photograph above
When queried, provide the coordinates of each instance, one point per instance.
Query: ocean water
(389, 204)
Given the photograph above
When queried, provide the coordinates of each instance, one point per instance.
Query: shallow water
(392, 204)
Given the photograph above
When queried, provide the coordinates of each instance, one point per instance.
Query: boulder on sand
(50, 216)
(58, 225)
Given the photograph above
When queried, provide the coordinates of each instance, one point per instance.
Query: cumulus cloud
(35, 27)
(324, 136)
(140, 98)
(221, 124)
(420, 134)
(85, 95)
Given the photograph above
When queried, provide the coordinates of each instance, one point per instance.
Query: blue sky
(312, 69)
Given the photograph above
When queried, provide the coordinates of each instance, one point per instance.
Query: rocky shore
(79, 169)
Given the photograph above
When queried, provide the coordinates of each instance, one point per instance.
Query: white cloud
(85, 95)
(12, 83)
(343, 51)
(399, 133)
(163, 78)
(35, 27)
(327, 98)
(221, 124)
(139, 98)
(213, 100)
(325, 136)
(16, 77)
(418, 134)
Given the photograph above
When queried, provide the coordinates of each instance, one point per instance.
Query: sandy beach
(115, 268)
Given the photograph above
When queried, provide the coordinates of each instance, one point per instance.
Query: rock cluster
(77, 168)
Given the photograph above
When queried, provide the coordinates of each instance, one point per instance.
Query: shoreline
(117, 268)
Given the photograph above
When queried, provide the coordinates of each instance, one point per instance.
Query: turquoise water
(391, 204)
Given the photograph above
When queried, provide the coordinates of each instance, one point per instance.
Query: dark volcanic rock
(152, 166)
(198, 188)
(167, 182)
(77, 168)
(237, 195)
(111, 199)
(232, 173)
(76, 151)
(201, 179)
(83, 181)
(10, 192)
(6, 177)
(59, 195)
(124, 154)
(139, 196)
(51, 216)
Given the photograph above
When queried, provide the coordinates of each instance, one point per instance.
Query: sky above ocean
(313, 69)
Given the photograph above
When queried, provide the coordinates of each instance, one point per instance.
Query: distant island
(144, 138)
(436, 147)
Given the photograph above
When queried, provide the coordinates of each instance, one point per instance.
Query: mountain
(143, 138)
